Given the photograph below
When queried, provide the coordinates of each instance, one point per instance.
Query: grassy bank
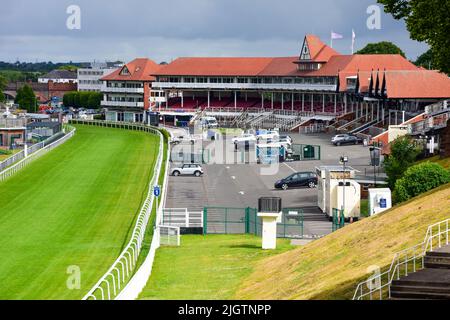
(331, 267)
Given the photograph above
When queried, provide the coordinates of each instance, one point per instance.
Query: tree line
(82, 99)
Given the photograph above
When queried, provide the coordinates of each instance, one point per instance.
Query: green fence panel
(338, 219)
(225, 220)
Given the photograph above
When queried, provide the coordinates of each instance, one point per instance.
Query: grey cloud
(171, 28)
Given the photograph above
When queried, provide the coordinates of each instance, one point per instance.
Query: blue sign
(383, 203)
(156, 191)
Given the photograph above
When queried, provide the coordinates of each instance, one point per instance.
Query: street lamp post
(375, 157)
(343, 160)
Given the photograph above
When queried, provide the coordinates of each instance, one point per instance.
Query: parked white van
(209, 122)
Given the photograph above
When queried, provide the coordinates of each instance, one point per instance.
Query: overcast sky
(35, 30)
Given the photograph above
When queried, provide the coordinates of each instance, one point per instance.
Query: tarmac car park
(236, 183)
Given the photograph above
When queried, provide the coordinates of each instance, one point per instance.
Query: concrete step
(441, 254)
(421, 289)
(439, 259)
(426, 278)
(419, 296)
(433, 264)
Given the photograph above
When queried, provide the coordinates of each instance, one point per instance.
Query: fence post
(226, 219)
(205, 221)
(247, 213)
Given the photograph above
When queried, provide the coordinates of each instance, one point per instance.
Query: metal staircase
(419, 272)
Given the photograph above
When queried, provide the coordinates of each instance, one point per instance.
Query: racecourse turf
(210, 267)
(74, 207)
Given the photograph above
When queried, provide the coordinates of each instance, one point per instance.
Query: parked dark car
(342, 139)
(296, 180)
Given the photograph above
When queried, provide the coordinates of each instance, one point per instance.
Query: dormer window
(125, 71)
(305, 55)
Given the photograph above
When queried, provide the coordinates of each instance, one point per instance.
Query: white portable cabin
(331, 190)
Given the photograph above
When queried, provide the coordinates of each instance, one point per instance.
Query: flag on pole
(353, 40)
(335, 36)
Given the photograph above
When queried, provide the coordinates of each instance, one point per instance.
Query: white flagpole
(353, 41)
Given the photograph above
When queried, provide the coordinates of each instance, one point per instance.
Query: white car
(190, 169)
(268, 135)
(244, 138)
(180, 139)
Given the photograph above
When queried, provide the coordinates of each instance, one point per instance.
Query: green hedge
(420, 179)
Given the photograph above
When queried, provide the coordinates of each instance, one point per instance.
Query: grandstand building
(126, 91)
(356, 93)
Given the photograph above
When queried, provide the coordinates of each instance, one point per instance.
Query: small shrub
(5, 152)
(165, 134)
(420, 179)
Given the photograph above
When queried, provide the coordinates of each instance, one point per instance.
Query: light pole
(344, 161)
(375, 157)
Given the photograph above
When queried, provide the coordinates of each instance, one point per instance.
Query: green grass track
(74, 206)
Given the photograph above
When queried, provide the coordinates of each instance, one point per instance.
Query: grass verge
(206, 267)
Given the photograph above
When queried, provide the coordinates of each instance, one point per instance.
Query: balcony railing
(122, 104)
(438, 108)
(122, 90)
(245, 86)
(13, 123)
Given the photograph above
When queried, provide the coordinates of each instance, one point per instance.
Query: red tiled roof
(417, 84)
(279, 66)
(368, 62)
(365, 64)
(140, 69)
(215, 67)
(364, 80)
(318, 50)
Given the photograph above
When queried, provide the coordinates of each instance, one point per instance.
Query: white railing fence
(182, 217)
(140, 278)
(404, 262)
(116, 277)
(11, 160)
(37, 150)
(21, 154)
(169, 235)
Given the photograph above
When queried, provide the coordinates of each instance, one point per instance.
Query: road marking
(293, 170)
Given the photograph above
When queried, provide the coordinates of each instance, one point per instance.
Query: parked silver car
(190, 169)
(342, 139)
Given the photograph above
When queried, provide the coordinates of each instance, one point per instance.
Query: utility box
(336, 185)
(380, 200)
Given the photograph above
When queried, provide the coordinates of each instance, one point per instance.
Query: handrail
(10, 171)
(406, 258)
(129, 256)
